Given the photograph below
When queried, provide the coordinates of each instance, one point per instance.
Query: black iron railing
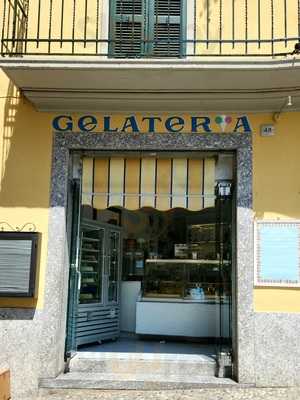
(150, 28)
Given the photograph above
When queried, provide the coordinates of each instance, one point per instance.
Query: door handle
(79, 280)
(108, 264)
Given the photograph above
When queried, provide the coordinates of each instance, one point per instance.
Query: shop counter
(180, 317)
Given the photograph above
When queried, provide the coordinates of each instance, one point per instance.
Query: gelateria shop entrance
(152, 262)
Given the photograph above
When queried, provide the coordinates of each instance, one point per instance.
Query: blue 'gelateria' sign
(152, 124)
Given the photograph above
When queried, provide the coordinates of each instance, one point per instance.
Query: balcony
(229, 55)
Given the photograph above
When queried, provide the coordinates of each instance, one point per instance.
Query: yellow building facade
(270, 167)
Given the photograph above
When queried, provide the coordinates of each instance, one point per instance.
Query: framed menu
(277, 253)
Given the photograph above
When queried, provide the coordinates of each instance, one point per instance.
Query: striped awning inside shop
(161, 183)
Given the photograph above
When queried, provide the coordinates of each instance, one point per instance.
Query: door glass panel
(91, 266)
(113, 266)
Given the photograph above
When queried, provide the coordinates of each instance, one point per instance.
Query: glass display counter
(185, 298)
(185, 279)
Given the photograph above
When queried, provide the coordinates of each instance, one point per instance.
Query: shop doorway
(152, 253)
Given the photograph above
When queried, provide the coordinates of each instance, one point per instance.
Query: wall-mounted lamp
(224, 188)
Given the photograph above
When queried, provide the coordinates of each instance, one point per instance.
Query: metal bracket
(30, 225)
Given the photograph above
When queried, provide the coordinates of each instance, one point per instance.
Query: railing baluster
(246, 26)
(207, 23)
(285, 22)
(259, 22)
(26, 25)
(38, 25)
(298, 20)
(73, 26)
(50, 27)
(272, 26)
(233, 24)
(195, 27)
(3, 25)
(8, 24)
(169, 43)
(156, 24)
(15, 11)
(62, 22)
(121, 26)
(132, 25)
(85, 21)
(220, 26)
(97, 26)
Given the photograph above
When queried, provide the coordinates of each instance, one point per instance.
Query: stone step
(132, 381)
(185, 365)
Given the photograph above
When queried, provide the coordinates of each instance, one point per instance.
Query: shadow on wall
(25, 154)
(25, 163)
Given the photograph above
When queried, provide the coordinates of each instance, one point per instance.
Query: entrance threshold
(132, 364)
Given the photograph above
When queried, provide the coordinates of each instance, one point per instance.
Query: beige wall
(25, 161)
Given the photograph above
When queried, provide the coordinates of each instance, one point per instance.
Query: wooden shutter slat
(167, 28)
(168, 7)
(129, 7)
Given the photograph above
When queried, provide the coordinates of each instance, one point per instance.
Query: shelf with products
(86, 249)
(91, 267)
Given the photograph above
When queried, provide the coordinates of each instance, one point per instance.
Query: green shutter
(153, 28)
(167, 32)
(127, 28)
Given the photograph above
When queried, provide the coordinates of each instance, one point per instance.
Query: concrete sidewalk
(199, 394)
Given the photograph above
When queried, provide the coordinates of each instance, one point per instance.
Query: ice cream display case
(189, 295)
(185, 279)
(184, 298)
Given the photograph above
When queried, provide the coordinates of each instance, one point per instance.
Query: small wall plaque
(18, 258)
(267, 130)
(277, 253)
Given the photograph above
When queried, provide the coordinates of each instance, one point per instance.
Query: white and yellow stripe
(161, 183)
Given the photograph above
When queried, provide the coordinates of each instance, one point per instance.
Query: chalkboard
(277, 253)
